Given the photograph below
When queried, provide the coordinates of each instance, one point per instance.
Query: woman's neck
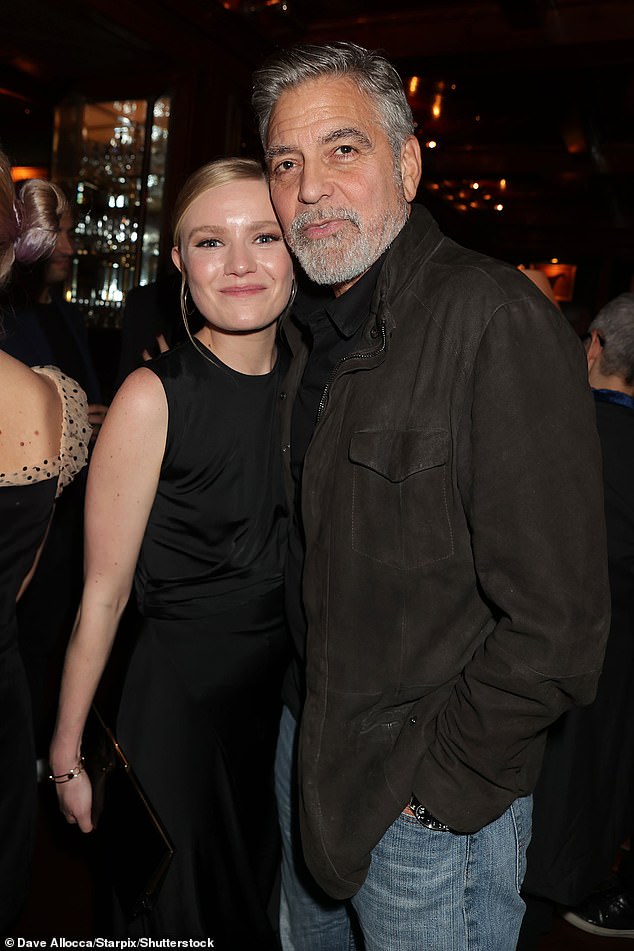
(254, 354)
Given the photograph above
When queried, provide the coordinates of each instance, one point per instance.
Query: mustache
(307, 218)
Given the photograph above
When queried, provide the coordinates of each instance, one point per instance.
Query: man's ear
(594, 351)
(411, 166)
(176, 258)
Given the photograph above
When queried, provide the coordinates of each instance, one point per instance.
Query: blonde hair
(29, 220)
(221, 172)
(212, 175)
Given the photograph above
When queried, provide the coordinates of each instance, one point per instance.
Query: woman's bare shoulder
(30, 416)
(137, 413)
(140, 397)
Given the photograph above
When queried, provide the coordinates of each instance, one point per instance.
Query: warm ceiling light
(12, 94)
(413, 85)
(499, 206)
(554, 260)
(437, 106)
(431, 144)
(502, 183)
(475, 185)
(19, 173)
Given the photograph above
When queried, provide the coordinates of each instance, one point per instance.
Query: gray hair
(615, 324)
(374, 74)
(219, 172)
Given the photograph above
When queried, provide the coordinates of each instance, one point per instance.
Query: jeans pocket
(521, 812)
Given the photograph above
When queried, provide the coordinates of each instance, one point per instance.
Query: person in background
(440, 431)
(41, 328)
(44, 434)
(584, 800)
(151, 323)
(541, 281)
(185, 496)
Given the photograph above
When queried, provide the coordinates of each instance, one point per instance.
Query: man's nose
(315, 182)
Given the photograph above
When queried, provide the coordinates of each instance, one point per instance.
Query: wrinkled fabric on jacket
(455, 577)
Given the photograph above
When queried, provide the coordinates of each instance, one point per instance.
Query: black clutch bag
(134, 843)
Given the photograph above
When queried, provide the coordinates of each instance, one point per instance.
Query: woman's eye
(208, 243)
(268, 238)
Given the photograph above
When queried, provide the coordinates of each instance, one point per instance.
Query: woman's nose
(240, 261)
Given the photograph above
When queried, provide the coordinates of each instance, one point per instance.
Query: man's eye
(285, 166)
(345, 149)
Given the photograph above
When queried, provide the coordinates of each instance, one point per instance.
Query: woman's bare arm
(122, 483)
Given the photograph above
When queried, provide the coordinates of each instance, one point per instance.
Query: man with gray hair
(610, 348)
(570, 859)
(453, 588)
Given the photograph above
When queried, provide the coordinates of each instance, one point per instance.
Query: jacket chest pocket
(400, 515)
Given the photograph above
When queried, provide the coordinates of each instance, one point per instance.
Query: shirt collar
(614, 396)
(347, 312)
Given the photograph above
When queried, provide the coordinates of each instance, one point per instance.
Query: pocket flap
(397, 454)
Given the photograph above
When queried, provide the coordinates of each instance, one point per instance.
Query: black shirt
(63, 346)
(335, 326)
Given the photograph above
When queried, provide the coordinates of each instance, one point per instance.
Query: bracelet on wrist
(66, 777)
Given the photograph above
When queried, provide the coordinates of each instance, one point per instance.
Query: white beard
(340, 258)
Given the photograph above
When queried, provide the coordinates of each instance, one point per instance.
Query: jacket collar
(414, 244)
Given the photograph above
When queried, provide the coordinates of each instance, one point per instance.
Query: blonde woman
(185, 498)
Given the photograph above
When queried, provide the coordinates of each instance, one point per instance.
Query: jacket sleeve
(529, 474)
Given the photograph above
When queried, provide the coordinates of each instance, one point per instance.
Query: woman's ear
(176, 258)
(411, 167)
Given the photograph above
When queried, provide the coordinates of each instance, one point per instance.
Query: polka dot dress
(76, 430)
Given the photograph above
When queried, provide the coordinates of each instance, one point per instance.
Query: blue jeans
(309, 919)
(436, 891)
(425, 890)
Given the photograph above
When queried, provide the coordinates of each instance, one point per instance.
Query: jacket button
(282, 396)
(374, 332)
(412, 720)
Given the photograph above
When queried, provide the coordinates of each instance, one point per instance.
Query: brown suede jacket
(455, 579)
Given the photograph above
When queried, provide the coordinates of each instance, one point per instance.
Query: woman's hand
(96, 415)
(75, 801)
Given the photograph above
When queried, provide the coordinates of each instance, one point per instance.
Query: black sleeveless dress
(26, 502)
(200, 708)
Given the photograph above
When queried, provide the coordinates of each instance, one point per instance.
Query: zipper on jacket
(363, 355)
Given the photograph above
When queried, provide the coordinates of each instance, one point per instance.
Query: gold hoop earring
(184, 292)
(185, 314)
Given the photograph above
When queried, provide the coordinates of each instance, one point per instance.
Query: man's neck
(598, 381)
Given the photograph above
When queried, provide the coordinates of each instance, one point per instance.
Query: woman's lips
(244, 290)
